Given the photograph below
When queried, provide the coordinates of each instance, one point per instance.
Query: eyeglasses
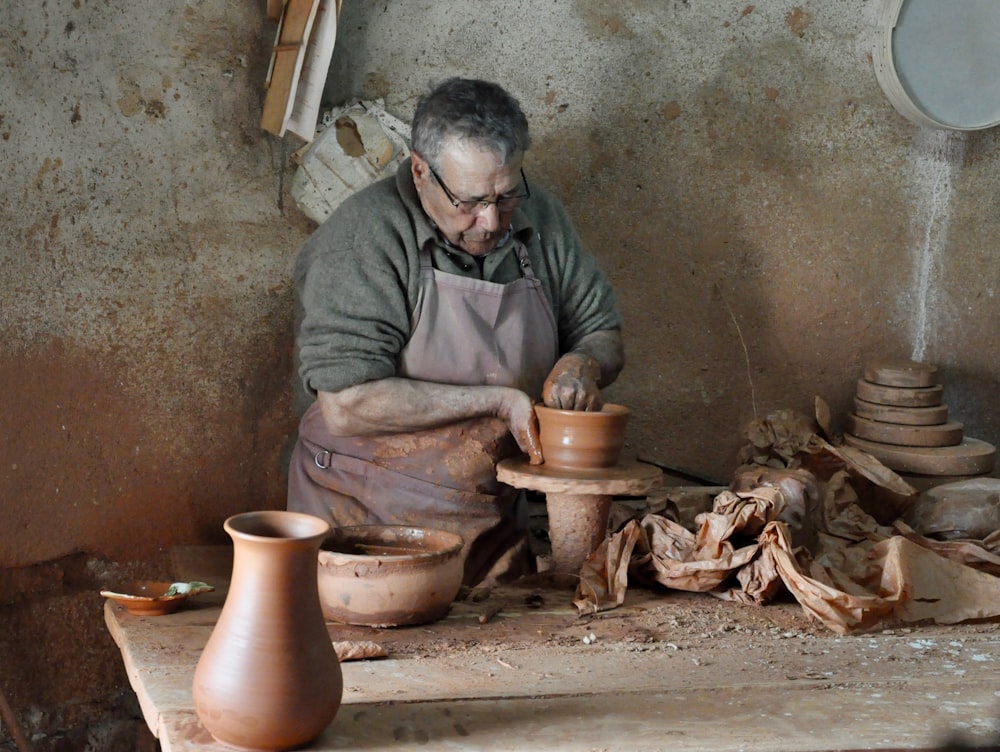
(471, 206)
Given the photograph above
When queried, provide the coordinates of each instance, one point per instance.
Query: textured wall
(145, 317)
(768, 219)
(146, 260)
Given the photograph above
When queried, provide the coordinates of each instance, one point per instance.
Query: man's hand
(577, 378)
(518, 412)
(573, 383)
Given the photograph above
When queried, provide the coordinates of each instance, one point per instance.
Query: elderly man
(438, 305)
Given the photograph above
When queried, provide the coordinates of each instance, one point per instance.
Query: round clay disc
(627, 478)
(910, 416)
(906, 373)
(946, 434)
(898, 396)
(971, 457)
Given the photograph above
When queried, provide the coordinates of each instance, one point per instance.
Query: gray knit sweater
(357, 279)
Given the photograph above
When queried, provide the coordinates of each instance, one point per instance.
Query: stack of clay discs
(900, 419)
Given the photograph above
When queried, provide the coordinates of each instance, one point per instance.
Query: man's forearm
(607, 349)
(399, 405)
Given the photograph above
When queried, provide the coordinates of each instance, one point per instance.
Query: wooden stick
(11, 720)
(489, 613)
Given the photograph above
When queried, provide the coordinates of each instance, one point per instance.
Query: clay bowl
(389, 575)
(152, 598)
(579, 439)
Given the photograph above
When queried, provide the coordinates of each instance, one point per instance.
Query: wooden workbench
(671, 671)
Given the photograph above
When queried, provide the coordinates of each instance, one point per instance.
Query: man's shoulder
(374, 216)
(379, 202)
(543, 203)
(371, 228)
(544, 219)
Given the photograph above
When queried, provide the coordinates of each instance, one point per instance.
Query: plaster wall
(768, 219)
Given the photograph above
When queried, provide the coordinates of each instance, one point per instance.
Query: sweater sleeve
(353, 278)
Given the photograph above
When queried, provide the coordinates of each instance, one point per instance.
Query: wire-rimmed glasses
(471, 206)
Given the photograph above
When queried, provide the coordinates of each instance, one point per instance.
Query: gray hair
(463, 108)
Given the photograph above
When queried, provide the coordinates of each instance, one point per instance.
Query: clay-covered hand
(518, 412)
(573, 383)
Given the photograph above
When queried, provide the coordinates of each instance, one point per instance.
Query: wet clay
(580, 438)
(581, 450)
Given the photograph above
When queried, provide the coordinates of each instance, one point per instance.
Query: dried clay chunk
(906, 373)
(964, 509)
(358, 650)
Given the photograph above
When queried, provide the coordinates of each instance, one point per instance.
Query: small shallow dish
(154, 598)
(389, 575)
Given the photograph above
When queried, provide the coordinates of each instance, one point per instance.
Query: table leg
(578, 523)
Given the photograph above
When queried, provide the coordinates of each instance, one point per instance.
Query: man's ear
(418, 168)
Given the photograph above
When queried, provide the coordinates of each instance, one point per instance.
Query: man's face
(469, 172)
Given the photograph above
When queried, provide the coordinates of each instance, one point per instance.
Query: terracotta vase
(269, 678)
(579, 439)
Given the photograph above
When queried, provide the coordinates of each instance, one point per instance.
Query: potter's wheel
(627, 478)
(578, 501)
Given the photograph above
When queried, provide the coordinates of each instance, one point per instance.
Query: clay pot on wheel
(578, 439)
(269, 678)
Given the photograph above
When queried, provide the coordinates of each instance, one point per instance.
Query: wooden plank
(628, 478)
(793, 716)
(677, 671)
(289, 48)
(274, 9)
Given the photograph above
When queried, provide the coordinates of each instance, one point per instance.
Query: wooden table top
(666, 671)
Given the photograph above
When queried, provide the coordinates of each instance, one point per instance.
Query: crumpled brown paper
(817, 520)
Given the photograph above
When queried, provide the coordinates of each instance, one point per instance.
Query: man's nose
(489, 217)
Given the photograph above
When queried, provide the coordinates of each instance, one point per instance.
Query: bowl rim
(608, 409)
(456, 544)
